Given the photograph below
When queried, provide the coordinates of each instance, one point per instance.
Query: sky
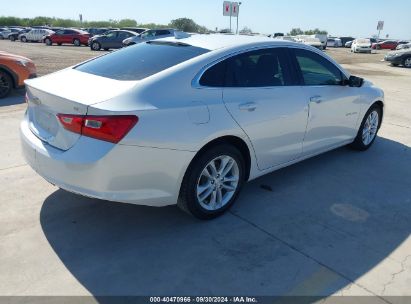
(356, 18)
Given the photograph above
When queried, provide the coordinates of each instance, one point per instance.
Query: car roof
(218, 41)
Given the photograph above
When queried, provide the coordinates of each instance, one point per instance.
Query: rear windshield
(140, 61)
(363, 41)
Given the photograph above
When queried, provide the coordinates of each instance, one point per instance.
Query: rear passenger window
(316, 70)
(214, 76)
(261, 68)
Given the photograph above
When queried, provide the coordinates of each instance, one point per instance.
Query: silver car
(149, 35)
(189, 121)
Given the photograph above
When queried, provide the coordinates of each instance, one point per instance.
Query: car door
(68, 36)
(120, 37)
(260, 96)
(109, 40)
(58, 36)
(333, 106)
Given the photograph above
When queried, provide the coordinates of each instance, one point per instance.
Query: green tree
(295, 32)
(246, 31)
(184, 24)
(127, 23)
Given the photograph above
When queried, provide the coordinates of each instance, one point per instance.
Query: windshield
(140, 61)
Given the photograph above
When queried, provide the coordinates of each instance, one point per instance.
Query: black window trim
(291, 62)
(288, 78)
(299, 73)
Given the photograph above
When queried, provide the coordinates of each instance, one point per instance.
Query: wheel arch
(233, 140)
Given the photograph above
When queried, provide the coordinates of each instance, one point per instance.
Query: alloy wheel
(218, 183)
(370, 128)
(407, 62)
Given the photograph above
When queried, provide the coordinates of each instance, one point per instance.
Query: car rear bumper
(98, 169)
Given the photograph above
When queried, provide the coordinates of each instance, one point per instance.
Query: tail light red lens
(107, 128)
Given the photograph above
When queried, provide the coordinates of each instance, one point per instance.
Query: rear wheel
(212, 182)
(6, 84)
(369, 129)
(12, 38)
(407, 62)
(48, 41)
(76, 42)
(23, 39)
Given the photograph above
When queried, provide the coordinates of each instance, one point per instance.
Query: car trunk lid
(66, 92)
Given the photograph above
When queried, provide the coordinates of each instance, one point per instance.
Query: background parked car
(99, 31)
(404, 46)
(362, 45)
(35, 35)
(346, 39)
(348, 44)
(149, 35)
(110, 40)
(334, 42)
(401, 57)
(314, 42)
(385, 45)
(15, 36)
(68, 36)
(13, 71)
(5, 33)
(137, 30)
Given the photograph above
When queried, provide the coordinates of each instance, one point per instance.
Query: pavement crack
(291, 246)
(393, 275)
(397, 125)
(13, 167)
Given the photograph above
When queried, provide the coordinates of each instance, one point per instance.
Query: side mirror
(355, 81)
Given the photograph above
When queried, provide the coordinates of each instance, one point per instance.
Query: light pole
(238, 15)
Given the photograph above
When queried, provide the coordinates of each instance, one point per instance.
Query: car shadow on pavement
(309, 229)
(16, 97)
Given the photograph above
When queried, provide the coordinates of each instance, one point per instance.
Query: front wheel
(48, 42)
(6, 84)
(95, 46)
(369, 129)
(23, 39)
(12, 38)
(212, 182)
(76, 42)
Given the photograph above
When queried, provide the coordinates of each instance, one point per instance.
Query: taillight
(107, 128)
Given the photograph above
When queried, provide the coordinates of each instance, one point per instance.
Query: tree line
(183, 24)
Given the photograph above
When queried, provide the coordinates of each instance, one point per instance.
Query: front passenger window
(316, 70)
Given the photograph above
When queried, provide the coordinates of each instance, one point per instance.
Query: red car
(68, 36)
(385, 45)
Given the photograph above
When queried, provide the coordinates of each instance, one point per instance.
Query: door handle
(249, 106)
(316, 99)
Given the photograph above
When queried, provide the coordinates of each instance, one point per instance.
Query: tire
(59, 44)
(378, 47)
(106, 49)
(76, 42)
(394, 64)
(200, 175)
(95, 46)
(6, 84)
(23, 39)
(407, 62)
(48, 41)
(365, 139)
(12, 38)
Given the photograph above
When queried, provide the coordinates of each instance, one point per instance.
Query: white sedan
(188, 121)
